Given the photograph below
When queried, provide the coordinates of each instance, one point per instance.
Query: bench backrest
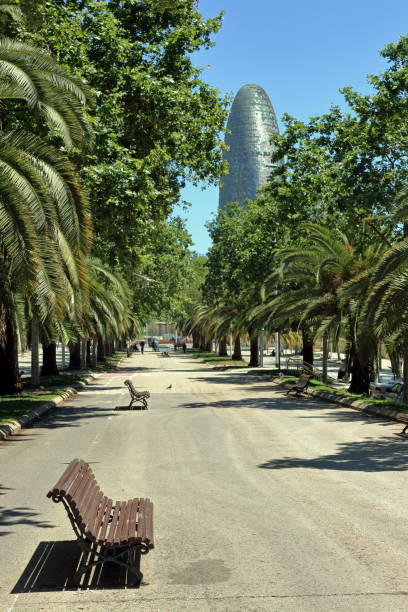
(78, 487)
(129, 383)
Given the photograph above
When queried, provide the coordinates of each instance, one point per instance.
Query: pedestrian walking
(184, 346)
(142, 344)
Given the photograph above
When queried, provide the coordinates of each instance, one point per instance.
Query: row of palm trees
(50, 286)
(340, 288)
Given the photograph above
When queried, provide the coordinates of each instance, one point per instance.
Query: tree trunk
(35, 343)
(196, 341)
(75, 356)
(101, 350)
(10, 378)
(83, 354)
(88, 352)
(222, 351)
(360, 374)
(49, 361)
(237, 355)
(360, 377)
(325, 357)
(254, 361)
(94, 357)
(202, 343)
(405, 372)
(307, 346)
(208, 346)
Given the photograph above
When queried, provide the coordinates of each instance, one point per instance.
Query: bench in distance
(301, 385)
(137, 396)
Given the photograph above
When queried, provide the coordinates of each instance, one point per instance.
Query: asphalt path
(261, 501)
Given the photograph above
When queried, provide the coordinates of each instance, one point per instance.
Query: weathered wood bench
(301, 385)
(115, 532)
(137, 396)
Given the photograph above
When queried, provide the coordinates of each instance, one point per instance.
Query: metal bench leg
(405, 429)
(134, 567)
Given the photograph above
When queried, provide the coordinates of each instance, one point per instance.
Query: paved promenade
(262, 502)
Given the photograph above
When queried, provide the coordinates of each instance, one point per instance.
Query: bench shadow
(53, 565)
(132, 409)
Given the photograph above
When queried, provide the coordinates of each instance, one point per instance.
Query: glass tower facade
(251, 123)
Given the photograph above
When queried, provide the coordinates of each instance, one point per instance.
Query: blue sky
(301, 53)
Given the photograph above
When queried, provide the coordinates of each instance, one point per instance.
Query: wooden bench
(301, 385)
(115, 532)
(137, 396)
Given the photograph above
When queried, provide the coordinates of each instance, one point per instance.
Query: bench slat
(148, 519)
(88, 504)
(78, 489)
(76, 483)
(63, 484)
(104, 521)
(131, 532)
(91, 512)
(140, 521)
(113, 525)
(123, 517)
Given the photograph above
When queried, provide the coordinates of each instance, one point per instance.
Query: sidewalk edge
(10, 428)
(361, 406)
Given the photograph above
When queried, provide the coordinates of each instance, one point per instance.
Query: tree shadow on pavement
(70, 416)
(54, 564)
(322, 410)
(371, 455)
(20, 516)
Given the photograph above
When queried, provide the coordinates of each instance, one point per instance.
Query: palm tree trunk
(49, 362)
(307, 346)
(83, 354)
(405, 373)
(360, 373)
(101, 350)
(94, 356)
(325, 357)
(254, 361)
(222, 351)
(237, 355)
(208, 346)
(75, 356)
(88, 352)
(10, 381)
(35, 343)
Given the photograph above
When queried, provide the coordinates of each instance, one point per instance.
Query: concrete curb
(361, 406)
(10, 428)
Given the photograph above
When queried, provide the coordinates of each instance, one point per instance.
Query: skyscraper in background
(251, 123)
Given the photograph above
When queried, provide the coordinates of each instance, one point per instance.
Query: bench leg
(134, 567)
(405, 429)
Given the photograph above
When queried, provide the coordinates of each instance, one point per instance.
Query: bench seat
(102, 525)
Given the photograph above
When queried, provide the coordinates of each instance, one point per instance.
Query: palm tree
(323, 288)
(45, 227)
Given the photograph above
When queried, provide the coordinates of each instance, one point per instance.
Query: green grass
(215, 360)
(341, 393)
(63, 379)
(13, 406)
(111, 363)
